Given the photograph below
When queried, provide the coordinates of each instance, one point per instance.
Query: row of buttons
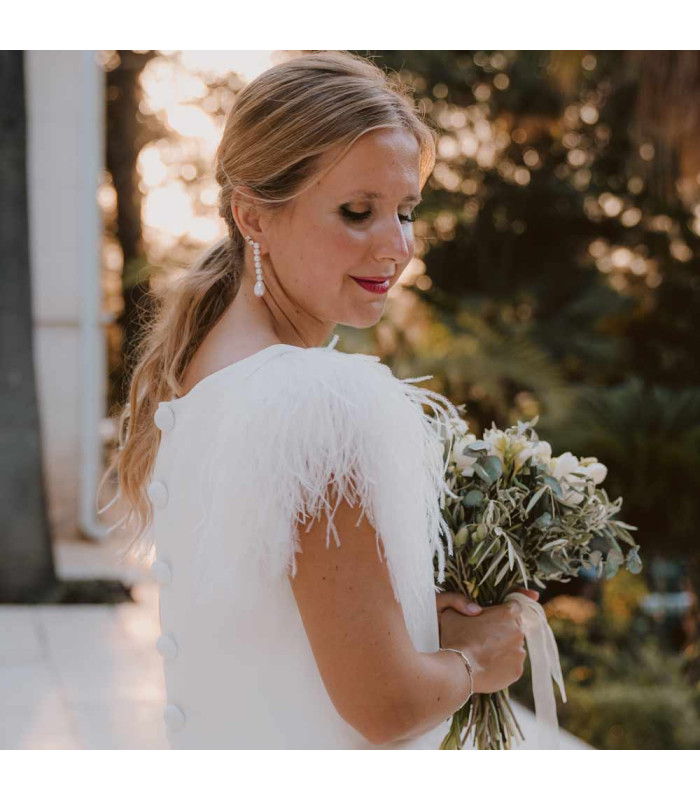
(158, 492)
(167, 646)
(164, 419)
(161, 572)
(173, 715)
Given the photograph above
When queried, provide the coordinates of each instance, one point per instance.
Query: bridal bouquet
(519, 516)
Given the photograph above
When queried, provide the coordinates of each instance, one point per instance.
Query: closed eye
(360, 216)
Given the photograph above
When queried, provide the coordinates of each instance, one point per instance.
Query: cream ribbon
(545, 666)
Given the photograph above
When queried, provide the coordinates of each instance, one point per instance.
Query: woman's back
(240, 456)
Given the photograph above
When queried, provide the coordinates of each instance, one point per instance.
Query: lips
(373, 285)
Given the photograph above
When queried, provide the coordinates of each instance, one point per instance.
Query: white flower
(522, 455)
(524, 449)
(564, 464)
(464, 462)
(542, 452)
(498, 442)
(598, 472)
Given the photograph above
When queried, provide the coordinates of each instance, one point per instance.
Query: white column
(65, 120)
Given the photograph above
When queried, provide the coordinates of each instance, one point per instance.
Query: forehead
(381, 163)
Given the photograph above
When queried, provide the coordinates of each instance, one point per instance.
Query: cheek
(346, 241)
(333, 253)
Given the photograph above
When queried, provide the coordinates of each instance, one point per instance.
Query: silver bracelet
(469, 670)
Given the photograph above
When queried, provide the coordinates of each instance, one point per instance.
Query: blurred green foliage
(625, 690)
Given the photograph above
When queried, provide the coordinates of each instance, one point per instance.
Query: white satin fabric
(544, 663)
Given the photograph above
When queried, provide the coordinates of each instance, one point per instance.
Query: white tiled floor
(89, 676)
(83, 676)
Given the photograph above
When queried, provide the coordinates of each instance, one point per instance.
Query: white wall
(65, 128)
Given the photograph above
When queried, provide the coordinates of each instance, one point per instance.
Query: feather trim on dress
(307, 429)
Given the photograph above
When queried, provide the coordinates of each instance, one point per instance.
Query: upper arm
(354, 624)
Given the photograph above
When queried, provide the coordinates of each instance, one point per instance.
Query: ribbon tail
(544, 663)
(554, 661)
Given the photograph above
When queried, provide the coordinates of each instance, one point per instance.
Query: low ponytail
(181, 318)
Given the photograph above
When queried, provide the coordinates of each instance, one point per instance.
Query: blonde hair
(280, 125)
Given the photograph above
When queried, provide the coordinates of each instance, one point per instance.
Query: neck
(274, 317)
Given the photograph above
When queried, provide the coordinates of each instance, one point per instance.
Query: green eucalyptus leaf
(481, 532)
(546, 565)
(533, 500)
(501, 574)
(521, 567)
(487, 551)
(555, 543)
(473, 499)
(461, 536)
(494, 564)
(612, 563)
(625, 525)
(555, 486)
(543, 522)
(481, 472)
(493, 466)
(563, 565)
(511, 554)
(475, 448)
(634, 562)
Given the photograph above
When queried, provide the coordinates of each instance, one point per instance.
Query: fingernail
(473, 608)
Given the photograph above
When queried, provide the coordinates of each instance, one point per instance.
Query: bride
(247, 443)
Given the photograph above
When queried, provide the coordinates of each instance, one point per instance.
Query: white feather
(307, 429)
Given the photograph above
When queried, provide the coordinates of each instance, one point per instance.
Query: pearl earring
(259, 288)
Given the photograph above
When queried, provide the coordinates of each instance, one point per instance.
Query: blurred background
(557, 273)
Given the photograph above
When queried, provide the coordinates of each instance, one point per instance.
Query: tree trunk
(126, 135)
(26, 561)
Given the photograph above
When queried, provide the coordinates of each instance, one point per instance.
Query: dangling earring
(259, 288)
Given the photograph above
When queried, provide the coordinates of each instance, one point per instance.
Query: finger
(458, 602)
(533, 593)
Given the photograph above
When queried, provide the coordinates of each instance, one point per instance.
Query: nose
(394, 241)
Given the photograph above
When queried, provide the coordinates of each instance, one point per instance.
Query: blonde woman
(249, 442)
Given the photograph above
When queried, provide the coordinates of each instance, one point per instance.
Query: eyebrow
(378, 196)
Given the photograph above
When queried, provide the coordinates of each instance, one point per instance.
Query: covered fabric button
(161, 572)
(158, 492)
(166, 646)
(164, 417)
(174, 717)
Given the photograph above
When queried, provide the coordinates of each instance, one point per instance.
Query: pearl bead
(259, 289)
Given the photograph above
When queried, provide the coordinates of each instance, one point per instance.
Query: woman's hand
(494, 643)
(492, 640)
(465, 605)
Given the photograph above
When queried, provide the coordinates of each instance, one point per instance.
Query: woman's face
(354, 222)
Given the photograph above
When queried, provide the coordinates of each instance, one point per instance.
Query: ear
(248, 214)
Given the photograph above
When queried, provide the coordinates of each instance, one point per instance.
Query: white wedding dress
(241, 456)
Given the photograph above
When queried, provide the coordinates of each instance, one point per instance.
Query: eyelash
(360, 216)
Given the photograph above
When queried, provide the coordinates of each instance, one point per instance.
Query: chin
(368, 318)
